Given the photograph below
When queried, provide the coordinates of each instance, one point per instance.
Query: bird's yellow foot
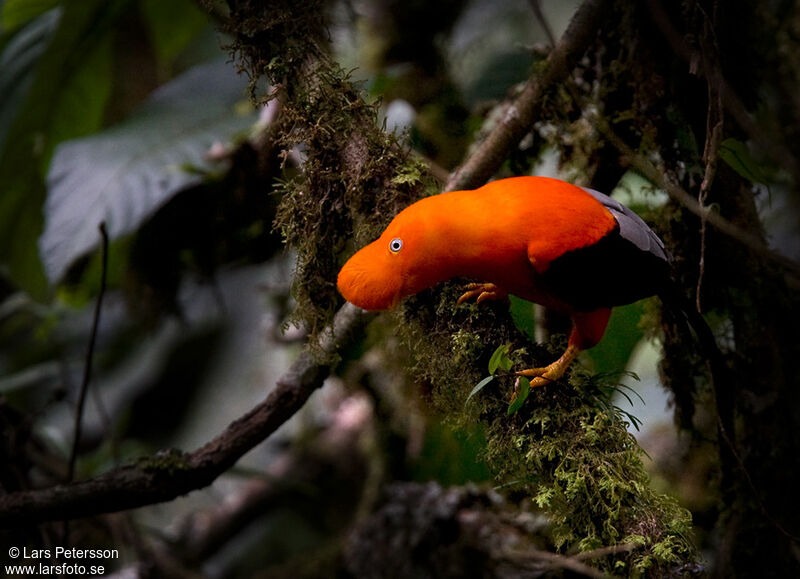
(484, 291)
(551, 372)
(542, 376)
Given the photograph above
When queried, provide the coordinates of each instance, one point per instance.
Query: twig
(554, 560)
(171, 474)
(710, 157)
(658, 177)
(522, 113)
(604, 552)
(714, 125)
(87, 369)
(773, 146)
(537, 10)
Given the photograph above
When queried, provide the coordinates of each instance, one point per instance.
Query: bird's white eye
(395, 245)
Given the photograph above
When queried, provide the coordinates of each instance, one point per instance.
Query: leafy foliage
(17, 13)
(500, 360)
(19, 57)
(76, 60)
(736, 154)
(522, 388)
(478, 387)
(122, 175)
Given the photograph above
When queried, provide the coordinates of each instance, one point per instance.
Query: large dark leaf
(63, 94)
(124, 174)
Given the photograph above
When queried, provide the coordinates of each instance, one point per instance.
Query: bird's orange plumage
(507, 232)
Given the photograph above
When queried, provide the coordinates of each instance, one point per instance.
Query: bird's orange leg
(587, 330)
(484, 291)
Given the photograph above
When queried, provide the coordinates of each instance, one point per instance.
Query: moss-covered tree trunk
(760, 521)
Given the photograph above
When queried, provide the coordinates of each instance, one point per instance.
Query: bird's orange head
(405, 259)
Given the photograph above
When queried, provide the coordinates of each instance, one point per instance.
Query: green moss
(567, 449)
(354, 177)
(167, 461)
(585, 470)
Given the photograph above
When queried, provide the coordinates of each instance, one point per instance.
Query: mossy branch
(170, 474)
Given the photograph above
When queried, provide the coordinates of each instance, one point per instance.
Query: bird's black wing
(627, 264)
(631, 226)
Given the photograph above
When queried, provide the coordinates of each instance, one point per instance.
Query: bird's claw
(551, 372)
(533, 372)
(484, 291)
(539, 376)
(545, 375)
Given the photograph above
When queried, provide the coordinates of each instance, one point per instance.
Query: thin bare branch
(548, 30)
(714, 131)
(659, 178)
(521, 115)
(87, 369)
(711, 157)
(769, 142)
(556, 561)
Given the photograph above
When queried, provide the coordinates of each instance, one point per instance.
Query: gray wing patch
(631, 226)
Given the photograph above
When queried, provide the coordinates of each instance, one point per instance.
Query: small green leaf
(523, 389)
(53, 106)
(522, 312)
(736, 154)
(478, 387)
(494, 361)
(18, 60)
(500, 360)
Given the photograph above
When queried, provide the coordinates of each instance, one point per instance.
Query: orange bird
(567, 248)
